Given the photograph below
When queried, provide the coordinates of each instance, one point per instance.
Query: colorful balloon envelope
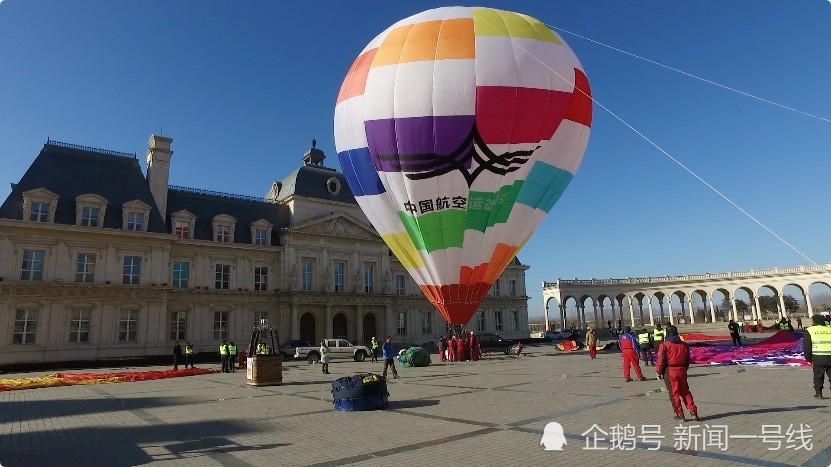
(458, 129)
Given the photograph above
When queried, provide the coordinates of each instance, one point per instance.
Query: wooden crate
(264, 370)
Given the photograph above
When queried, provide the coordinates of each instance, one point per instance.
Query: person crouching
(673, 362)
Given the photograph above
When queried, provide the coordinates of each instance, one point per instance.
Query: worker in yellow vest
(223, 354)
(189, 355)
(817, 348)
(232, 357)
(658, 335)
(645, 345)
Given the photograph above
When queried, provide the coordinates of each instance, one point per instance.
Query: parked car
(287, 349)
(556, 335)
(338, 348)
(490, 342)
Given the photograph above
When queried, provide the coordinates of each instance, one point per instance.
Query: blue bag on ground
(365, 391)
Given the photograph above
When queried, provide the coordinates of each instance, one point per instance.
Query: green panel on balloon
(436, 230)
(487, 209)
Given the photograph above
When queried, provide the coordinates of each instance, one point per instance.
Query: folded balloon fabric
(782, 349)
(71, 379)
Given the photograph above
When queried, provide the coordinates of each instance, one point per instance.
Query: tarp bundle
(569, 346)
(782, 348)
(414, 356)
(71, 379)
(365, 391)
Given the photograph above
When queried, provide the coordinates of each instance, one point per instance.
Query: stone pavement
(489, 412)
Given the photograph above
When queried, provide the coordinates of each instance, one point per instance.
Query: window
(127, 326)
(90, 216)
(308, 275)
(223, 233)
(132, 270)
(25, 325)
(135, 221)
(480, 321)
(340, 269)
(512, 288)
(85, 267)
(369, 276)
(515, 319)
(39, 212)
(261, 278)
(496, 288)
(220, 325)
(178, 324)
(181, 274)
(426, 322)
(79, 326)
(261, 237)
(182, 229)
(32, 268)
(222, 278)
(497, 317)
(399, 284)
(401, 328)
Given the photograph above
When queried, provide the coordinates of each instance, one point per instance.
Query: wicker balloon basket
(264, 370)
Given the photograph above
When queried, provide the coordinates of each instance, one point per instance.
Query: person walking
(799, 323)
(645, 344)
(591, 342)
(442, 345)
(223, 354)
(324, 357)
(177, 355)
(189, 355)
(734, 332)
(232, 357)
(817, 348)
(629, 348)
(373, 347)
(388, 354)
(673, 362)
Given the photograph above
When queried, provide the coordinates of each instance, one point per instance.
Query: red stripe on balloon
(354, 83)
(580, 107)
(457, 302)
(510, 115)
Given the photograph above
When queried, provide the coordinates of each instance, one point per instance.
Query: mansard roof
(69, 171)
(207, 205)
(313, 182)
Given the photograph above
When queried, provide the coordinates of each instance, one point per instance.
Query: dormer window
(90, 217)
(89, 210)
(135, 215)
(224, 228)
(183, 223)
(39, 205)
(261, 232)
(39, 212)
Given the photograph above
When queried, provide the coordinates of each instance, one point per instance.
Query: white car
(338, 348)
(557, 335)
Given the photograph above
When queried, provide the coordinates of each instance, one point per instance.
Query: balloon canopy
(458, 129)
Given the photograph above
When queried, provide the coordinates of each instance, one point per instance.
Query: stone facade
(76, 289)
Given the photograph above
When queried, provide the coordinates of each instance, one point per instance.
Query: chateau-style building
(98, 260)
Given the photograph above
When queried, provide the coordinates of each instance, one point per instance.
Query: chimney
(158, 170)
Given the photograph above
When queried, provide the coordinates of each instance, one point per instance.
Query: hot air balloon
(458, 130)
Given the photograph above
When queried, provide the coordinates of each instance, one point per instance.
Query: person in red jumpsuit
(451, 349)
(673, 362)
(630, 350)
(474, 347)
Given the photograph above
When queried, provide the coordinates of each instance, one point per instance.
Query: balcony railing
(106, 152)
(200, 191)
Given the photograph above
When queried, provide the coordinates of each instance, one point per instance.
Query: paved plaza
(490, 412)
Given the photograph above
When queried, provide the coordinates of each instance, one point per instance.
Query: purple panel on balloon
(413, 144)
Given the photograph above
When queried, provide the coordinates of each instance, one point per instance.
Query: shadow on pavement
(116, 445)
(45, 409)
(761, 411)
(393, 405)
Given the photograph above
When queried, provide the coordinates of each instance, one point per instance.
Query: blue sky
(243, 87)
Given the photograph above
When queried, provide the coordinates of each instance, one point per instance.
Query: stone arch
(639, 308)
(750, 304)
(607, 311)
(767, 306)
(681, 312)
(701, 312)
(820, 297)
(660, 303)
(308, 327)
(798, 293)
(340, 326)
(722, 306)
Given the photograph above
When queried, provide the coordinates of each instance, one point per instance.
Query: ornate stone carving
(293, 279)
(387, 282)
(327, 279)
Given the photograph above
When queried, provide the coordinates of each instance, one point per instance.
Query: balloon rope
(656, 146)
(700, 78)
